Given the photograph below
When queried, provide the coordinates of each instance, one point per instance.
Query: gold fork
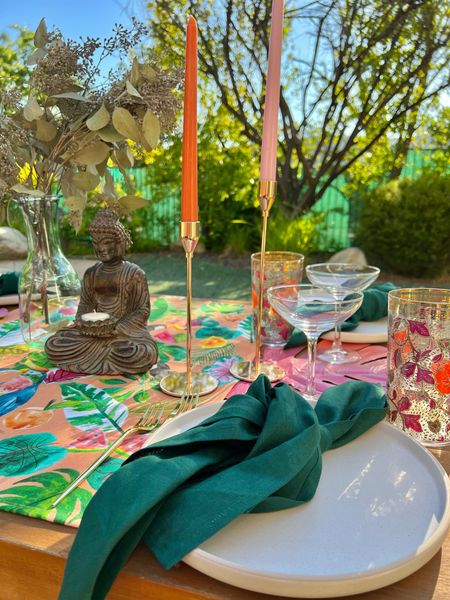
(152, 418)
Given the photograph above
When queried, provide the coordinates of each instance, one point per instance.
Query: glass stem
(336, 348)
(312, 350)
(337, 343)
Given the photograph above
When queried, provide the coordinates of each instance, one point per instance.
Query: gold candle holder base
(178, 384)
(175, 384)
(249, 371)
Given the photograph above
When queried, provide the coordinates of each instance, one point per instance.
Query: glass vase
(49, 287)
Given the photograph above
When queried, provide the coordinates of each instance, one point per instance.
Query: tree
(13, 52)
(355, 73)
(227, 174)
(13, 69)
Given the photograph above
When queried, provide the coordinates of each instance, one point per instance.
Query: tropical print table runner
(54, 423)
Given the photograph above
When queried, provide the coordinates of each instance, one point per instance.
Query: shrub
(295, 235)
(404, 225)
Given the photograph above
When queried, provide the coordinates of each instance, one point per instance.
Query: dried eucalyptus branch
(75, 124)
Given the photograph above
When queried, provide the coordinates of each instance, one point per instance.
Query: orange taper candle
(189, 194)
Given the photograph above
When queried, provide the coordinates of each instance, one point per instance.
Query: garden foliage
(404, 225)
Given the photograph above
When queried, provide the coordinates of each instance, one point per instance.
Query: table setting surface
(45, 401)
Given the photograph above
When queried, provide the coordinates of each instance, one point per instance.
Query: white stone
(349, 255)
(13, 244)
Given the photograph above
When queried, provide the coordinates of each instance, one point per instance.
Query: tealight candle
(95, 316)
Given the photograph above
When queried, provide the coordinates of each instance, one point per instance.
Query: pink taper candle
(270, 123)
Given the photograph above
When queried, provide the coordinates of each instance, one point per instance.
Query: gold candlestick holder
(249, 370)
(178, 384)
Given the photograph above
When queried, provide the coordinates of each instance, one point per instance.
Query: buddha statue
(109, 334)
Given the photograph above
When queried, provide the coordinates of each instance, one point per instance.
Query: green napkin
(261, 452)
(9, 283)
(374, 306)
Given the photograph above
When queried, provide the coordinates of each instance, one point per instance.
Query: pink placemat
(371, 367)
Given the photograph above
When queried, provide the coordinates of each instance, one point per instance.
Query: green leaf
(87, 406)
(222, 308)
(180, 337)
(40, 360)
(147, 71)
(132, 90)
(109, 134)
(99, 119)
(120, 394)
(23, 454)
(141, 396)
(123, 157)
(37, 55)
(22, 189)
(45, 131)
(85, 181)
(125, 124)
(75, 203)
(8, 326)
(92, 154)
(219, 331)
(245, 327)
(72, 96)
(32, 109)
(110, 465)
(166, 352)
(151, 129)
(41, 34)
(16, 349)
(36, 500)
(113, 381)
(133, 202)
(159, 308)
(134, 74)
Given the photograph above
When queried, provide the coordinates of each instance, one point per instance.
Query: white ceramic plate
(9, 300)
(381, 511)
(367, 332)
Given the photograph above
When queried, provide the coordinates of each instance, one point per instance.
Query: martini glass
(313, 310)
(339, 279)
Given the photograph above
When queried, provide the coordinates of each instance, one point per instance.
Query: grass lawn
(217, 276)
(166, 274)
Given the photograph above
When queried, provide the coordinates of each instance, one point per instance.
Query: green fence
(335, 232)
(162, 226)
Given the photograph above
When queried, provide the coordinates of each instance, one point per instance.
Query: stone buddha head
(109, 237)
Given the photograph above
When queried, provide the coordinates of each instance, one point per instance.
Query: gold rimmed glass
(281, 268)
(419, 363)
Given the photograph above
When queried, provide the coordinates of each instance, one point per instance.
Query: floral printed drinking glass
(281, 268)
(419, 363)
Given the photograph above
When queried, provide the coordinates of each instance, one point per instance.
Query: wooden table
(33, 554)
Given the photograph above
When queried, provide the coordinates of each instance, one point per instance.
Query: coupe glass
(313, 310)
(339, 279)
